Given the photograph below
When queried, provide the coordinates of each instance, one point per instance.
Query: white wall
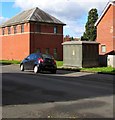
(111, 60)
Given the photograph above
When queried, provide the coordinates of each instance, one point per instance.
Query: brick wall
(18, 46)
(114, 27)
(46, 38)
(105, 31)
(15, 46)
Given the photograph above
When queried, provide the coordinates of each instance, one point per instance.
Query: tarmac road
(66, 94)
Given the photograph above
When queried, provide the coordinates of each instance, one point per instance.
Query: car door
(26, 62)
(32, 61)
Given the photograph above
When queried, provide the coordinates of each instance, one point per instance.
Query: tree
(71, 39)
(90, 29)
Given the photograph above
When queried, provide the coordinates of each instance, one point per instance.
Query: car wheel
(22, 67)
(35, 69)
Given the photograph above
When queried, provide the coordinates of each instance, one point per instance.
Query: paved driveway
(62, 95)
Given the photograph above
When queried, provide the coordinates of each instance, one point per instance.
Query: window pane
(9, 30)
(103, 48)
(55, 53)
(38, 50)
(15, 29)
(37, 28)
(55, 29)
(22, 28)
(47, 50)
(3, 31)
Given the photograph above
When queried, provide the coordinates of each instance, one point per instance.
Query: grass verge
(99, 70)
(6, 62)
(59, 63)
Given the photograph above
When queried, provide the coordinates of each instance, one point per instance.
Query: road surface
(66, 94)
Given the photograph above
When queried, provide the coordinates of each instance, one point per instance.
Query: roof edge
(34, 9)
(28, 21)
(13, 24)
(104, 11)
(79, 42)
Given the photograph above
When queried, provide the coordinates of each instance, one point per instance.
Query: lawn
(100, 70)
(95, 69)
(9, 62)
(59, 63)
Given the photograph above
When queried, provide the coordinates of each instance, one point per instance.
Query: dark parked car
(39, 62)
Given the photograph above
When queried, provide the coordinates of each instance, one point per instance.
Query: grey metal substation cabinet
(80, 54)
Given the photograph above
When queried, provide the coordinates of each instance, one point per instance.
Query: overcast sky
(72, 12)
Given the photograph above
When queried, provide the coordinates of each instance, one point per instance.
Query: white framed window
(103, 48)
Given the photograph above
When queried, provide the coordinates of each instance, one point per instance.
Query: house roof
(104, 11)
(35, 15)
(111, 53)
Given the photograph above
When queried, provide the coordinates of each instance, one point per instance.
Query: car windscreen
(46, 56)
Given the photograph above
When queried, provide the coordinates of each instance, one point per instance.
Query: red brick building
(30, 31)
(106, 30)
